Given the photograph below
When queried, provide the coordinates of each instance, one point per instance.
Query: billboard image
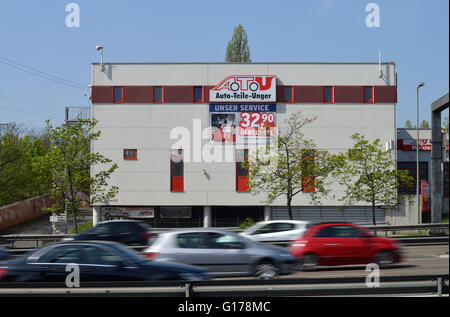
(242, 123)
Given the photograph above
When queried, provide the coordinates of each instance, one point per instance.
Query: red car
(343, 244)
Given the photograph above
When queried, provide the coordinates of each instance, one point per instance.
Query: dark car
(98, 261)
(4, 254)
(128, 232)
(343, 244)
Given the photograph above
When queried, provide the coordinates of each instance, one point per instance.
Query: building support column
(96, 215)
(267, 213)
(436, 168)
(206, 216)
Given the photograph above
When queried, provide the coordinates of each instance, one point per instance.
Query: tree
(368, 174)
(237, 49)
(66, 167)
(291, 166)
(409, 125)
(424, 124)
(18, 181)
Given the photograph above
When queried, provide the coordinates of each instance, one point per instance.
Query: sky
(37, 45)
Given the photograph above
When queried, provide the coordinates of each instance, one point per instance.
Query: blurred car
(129, 232)
(97, 260)
(343, 244)
(223, 253)
(276, 230)
(4, 254)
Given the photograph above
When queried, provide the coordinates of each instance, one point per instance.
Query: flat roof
(257, 63)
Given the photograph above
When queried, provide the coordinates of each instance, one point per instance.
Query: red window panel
(206, 90)
(138, 94)
(368, 94)
(118, 94)
(242, 174)
(328, 94)
(102, 94)
(385, 94)
(308, 94)
(177, 171)
(130, 154)
(198, 94)
(178, 94)
(158, 93)
(348, 94)
(308, 166)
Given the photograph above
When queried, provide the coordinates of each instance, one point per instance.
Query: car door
(227, 254)
(265, 233)
(328, 246)
(355, 249)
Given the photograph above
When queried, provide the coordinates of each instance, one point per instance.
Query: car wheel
(266, 270)
(384, 259)
(309, 262)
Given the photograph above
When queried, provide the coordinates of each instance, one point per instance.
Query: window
(192, 241)
(130, 154)
(328, 94)
(338, 232)
(368, 94)
(242, 173)
(157, 94)
(308, 171)
(198, 94)
(222, 241)
(411, 167)
(177, 171)
(62, 254)
(118, 95)
(287, 94)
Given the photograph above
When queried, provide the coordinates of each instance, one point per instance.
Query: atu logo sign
(245, 88)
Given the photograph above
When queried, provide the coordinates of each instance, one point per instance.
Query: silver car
(224, 253)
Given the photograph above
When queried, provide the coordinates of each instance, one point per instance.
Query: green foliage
(66, 168)
(248, 222)
(289, 166)
(368, 174)
(83, 227)
(237, 49)
(18, 180)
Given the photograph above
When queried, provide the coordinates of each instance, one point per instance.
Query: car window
(96, 255)
(269, 228)
(193, 240)
(63, 254)
(338, 232)
(280, 227)
(224, 241)
(101, 228)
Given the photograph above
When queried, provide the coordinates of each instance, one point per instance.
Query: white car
(276, 230)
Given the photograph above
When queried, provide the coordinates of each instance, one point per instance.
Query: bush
(246, 223)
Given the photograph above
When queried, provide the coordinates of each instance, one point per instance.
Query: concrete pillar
(207, 217)
(436, 168)
(267, 213)
(96, 215)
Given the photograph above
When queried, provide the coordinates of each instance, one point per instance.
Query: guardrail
(410, 284)
(39, 239)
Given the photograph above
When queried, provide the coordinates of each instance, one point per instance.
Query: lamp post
(421, 84)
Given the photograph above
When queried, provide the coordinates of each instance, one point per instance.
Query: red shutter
(138, 94)
(385, 94)
(308, 94)
(102, 94)
(178, 94)
(242, 184)
(348, 94)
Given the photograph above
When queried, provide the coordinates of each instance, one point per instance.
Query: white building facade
(176, 130)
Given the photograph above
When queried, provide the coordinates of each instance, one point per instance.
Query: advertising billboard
(242, 123)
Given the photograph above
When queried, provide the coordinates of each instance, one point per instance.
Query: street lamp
(421, 84)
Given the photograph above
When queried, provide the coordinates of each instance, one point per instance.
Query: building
(164, 123)
(407, 212)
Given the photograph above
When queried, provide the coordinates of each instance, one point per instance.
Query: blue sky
(414, 34)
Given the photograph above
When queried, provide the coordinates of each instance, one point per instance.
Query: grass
(83, 227)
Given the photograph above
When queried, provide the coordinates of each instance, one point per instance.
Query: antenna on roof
(380, 73)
